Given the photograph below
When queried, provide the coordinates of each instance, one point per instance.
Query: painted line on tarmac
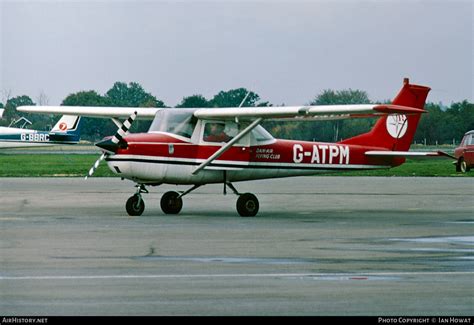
(243, 275)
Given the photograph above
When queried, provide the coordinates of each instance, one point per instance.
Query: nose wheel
(135, 204)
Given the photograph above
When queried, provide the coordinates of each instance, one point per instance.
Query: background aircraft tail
(67, 129)
(396, 131)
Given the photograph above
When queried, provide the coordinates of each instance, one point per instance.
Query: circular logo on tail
(397, 125)
(63, 126)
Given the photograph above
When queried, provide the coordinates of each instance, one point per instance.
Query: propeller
(111, 145)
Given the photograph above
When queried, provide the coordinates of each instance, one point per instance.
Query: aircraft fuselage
(162, 158)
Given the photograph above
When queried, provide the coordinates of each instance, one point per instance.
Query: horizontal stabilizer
(409, 154)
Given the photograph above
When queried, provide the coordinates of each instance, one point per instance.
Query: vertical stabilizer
(67, 129)
(396, 131)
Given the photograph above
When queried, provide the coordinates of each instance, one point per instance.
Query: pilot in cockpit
(214, 132)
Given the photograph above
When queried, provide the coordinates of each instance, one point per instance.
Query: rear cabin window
(260, 134)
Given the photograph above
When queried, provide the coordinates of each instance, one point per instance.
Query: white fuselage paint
(146, 169)
(26, 138)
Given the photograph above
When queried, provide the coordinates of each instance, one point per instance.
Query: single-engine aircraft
(226, 145)
(65, 131)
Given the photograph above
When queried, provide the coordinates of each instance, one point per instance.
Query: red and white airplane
(225, 145)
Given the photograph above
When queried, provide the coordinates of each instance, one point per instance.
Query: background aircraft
(180, 149)
(65, 131)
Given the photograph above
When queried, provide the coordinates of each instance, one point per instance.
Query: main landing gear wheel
(247, 205)
(171, 202)
(135, 205)
(462, 166)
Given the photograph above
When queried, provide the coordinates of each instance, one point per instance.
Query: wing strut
(229, 144)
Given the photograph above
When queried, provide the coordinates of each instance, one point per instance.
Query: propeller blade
(112, 144)
(96, 165)
(124, 128)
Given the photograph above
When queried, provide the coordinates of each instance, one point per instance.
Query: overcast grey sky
(286, 51)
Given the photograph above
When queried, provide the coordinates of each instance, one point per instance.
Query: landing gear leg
(135, 204)
(247, 203)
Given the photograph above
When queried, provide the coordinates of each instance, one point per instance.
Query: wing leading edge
(323, 112)
(144, 113)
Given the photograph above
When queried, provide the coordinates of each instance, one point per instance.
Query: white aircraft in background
(65, 131)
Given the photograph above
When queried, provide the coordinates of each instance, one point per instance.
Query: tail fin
(396, 131)
(67, 129)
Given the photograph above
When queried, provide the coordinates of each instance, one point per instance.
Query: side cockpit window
(220, 131)
(215, 132)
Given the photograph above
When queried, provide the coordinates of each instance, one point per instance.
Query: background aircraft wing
(321, 112)
(146, 113)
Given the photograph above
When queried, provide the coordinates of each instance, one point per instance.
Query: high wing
(320, 112)
(144, 113)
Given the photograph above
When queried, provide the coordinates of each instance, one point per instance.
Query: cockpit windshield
(180, 121)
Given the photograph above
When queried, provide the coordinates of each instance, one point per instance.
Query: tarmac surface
(319, 246)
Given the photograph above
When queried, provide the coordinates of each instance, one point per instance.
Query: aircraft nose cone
(108, 145)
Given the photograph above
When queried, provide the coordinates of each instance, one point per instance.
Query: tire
(135, 205)
(170, 203)
(462, 165)
(458, 166)
(247, 205)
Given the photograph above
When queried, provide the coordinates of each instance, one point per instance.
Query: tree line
(442, 125)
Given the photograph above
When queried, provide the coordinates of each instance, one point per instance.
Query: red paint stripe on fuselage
(281, 151)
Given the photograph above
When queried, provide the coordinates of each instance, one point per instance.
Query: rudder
(67, 129)
(396, 131)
